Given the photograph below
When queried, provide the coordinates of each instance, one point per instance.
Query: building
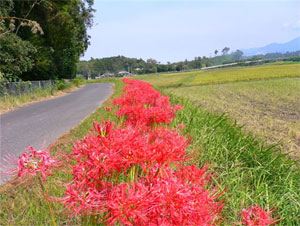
(123, 73)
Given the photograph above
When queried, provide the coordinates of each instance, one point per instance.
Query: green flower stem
(48, 202)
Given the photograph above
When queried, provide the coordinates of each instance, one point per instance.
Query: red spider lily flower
(104, 128)
(256, 216)
(176, 200)
(162, 200)
(192, 174)
(181, 126)
(31, 162)
(108, 109)
(179, 204)
(83, 199)
(35, 161)
(127, 204)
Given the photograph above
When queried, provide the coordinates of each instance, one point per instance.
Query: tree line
(43, 39)
(97, 67)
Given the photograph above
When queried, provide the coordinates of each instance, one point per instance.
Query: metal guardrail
(19, 88)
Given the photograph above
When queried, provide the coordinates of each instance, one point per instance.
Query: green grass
(217, 76)
(282, 62)
(250, 171)
(270, 109)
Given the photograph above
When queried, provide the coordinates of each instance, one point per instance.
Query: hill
(291, 46)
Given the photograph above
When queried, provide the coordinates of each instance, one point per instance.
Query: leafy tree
(15, 53)
(225, 50)
(237, 55)
(64, 24)
(15, 56)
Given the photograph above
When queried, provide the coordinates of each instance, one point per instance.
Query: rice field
(269, 109)
(263, 99)
(217, 76)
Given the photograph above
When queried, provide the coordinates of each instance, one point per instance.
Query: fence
(19, 88)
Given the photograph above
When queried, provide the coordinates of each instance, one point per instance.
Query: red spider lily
(100, 156)
(108, 109)
(36, 161)
(80, 198)
(141, 104)
(104, 128)
(192, 174)
(181, 126)
(127, 204)
(182, 204)
(163, 200)
(256, 216)
(31, 162)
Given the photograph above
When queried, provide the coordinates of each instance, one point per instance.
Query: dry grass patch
(270, 109)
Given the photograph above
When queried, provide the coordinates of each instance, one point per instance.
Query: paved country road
(43, 122)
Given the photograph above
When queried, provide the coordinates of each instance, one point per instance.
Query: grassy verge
(251, 172)
(270, 109)
(24, 204)
(10, 102)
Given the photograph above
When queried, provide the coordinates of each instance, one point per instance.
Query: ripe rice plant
(217, 76)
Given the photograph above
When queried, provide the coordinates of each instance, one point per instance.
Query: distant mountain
(291, 46)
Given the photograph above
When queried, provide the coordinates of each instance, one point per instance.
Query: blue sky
(178, 30)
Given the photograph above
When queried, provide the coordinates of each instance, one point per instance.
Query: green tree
(15, 53)
(237, 55)
(64, 24)
(225, 50)
(15, 57)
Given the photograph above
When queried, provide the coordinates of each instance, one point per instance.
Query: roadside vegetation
(250, 171)
(10, 102)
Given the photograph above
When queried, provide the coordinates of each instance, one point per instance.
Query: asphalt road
(40, 124)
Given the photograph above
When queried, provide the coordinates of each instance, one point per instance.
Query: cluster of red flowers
(142, 104)
(134, 174)
(256, 216)
(119, 149)
(171, 198)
